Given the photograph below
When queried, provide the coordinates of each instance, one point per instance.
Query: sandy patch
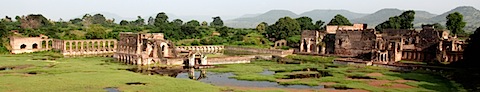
(387, 84)
(374, 74)
(328, 83)
(286, 80)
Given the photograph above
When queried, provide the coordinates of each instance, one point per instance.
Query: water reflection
(218, 79)
(223, 79)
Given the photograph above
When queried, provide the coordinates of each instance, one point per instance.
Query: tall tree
(319, 25)
(139, 21)
(284, 28)
(34, 21)
(204, 23)
(403, 21)
(340, 20)
(305, 23)
(455, 23)
(99, 19)
(192, 23)
(124, 22)
(262, 27)
(151, 20)
(177, 22)
(217, 21)
(161, 19)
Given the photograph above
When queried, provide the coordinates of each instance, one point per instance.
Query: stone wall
(354, 43)
(230, 60)
(29, 44)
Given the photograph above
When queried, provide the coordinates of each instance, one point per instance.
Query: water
(222, 79)
(111, 89)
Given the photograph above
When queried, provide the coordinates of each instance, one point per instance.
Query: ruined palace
(389, 45)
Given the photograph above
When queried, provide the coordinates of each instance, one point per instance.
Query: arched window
(23, 46)
(35, 46)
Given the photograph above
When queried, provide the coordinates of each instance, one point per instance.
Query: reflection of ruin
(356, 41)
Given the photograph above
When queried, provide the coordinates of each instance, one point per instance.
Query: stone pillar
(103, 46)
(109, 47)
(204, 60)
(308, 46)
(191, 61)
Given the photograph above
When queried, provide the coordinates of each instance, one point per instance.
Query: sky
(227, 9)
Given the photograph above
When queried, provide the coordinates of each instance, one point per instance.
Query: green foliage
(217, 21)
(285, 27)
(262, 27)
(305, 23)
(438, 26)
(295, 39)
(403, 21)
(319, 25)
(161, 19)
(96, 32)
(455, 23)
(340, 20)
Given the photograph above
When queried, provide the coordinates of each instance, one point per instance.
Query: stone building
(390, 45)
(29, 44)
(147, 48)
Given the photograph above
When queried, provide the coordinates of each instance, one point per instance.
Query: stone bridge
(85, 47)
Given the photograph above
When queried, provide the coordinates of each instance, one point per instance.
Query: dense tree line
(403, 21)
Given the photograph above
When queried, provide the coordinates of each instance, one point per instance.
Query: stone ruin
(29, 44)
(391, 45)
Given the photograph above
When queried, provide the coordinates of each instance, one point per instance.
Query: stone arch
(44, 44)
(34, 46)
(74, 46)
(305, 45)
(164, 49)
(23, 46)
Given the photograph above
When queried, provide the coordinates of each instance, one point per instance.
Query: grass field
(48, 72)
(367, 78)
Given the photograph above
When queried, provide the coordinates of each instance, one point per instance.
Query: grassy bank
(357, 77)
(50, 73)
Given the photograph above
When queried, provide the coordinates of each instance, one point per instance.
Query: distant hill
(272, 16)
(470, 15)
(382, 15)
(327, 15)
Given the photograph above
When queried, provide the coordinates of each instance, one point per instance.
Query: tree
(217, 21)
(455, 23)
(340, 20)
(305, 23)
(34, 21)
(124, 22)
(99, 19)
(140, 21)
(192, 23)
(204, 23)
(319, 25)
(262, 27)
(177, 22)
(151, 21)
(76, 21)
(438, 26)
(403, 21)
(285, 27)
(161, 19)
(96, 31)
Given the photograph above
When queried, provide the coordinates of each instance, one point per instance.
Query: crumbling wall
(354, 43)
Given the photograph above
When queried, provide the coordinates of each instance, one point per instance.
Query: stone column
(108, 46)
(204, 60)
(103, 46)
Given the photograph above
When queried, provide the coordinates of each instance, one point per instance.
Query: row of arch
(205, 49)
(85, 47)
